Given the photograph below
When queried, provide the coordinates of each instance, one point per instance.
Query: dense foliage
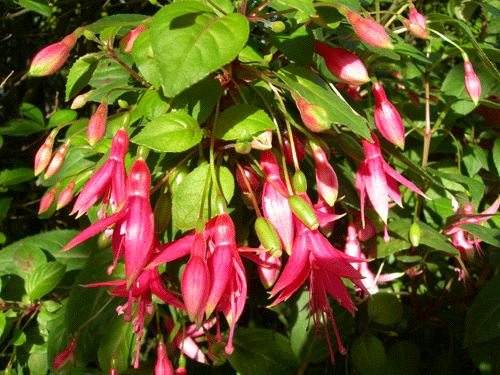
(252, 187)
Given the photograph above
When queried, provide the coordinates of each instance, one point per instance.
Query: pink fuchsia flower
(315, 258)
(109, 180)
(163, 365)
(48, 199)
(326, 179)
(51, 58)
(268, 268)
(368, 30)
(387, 118)
(344, 65)
(65, 360)
(66, 195)
(98, 123)
(128, 39)
(133, 233)
(418, 18)
(415, 28)
(472, 83)
(378, 180)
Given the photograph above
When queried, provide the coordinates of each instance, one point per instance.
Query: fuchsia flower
(127, 42)
(378, 180)
(368, 30)
(326, 179)
(66, 359)
(315, 258)
(418, 18)
(134, 228)
(109, 180)
(344, 65)
(387, 118)
(98, 123)
(163, 365)
(472, 83)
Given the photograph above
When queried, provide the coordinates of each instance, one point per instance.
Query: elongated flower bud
(128, 39)
(415, 29)
(344, 65)
(48, 199)
(81, 100)
(98, 123)
(51, 58)
(268, 236)
(287, 148)
(66, 195)
(313, 116)
(64, 361)
(387, 118)
(368, 30)
(163, 365)
(44, 153)
(269, 269)
(326, 179)
(417, 17)
(472, 83)
(303, 211)
(57, 160)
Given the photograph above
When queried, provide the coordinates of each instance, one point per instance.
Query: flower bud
(415, 234)
(278, 26)
(418, 18)
(303, 211)
(315, 118)
(57, 160)
(48, 199)
(98, 123)
(64, 361)
(326, 179)
(368, 30)
(268, 236)
(128, 39)
(472, 83)
(66, 195)
(80, 100)
(287, 148)
(387, 118)
(163, 365)
(51, 58)
(415, 29)
(44, 153)
(254, 180)
(269, 269)
(264, 141)
(299, 182)
(344, 65)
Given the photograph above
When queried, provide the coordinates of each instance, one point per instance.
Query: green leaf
(189, 42)
(43, 279)
(18, 339)
(20, 127)
(74, 162)
(385, 249)
(241, 121)
(486, 356)
(312, 88)
(496, 154)
(37, 361)
(126, 21)
(4, 207)
(61, 117)
(16, 176)
(32, 112)
(80, 74)
(435, 240)
(186, 202)
(38, 6)
(474, 187)
(305, 6)
(3, 322)
(482, 319)
(117, 343)
(490, 8)
(411, 52)
(146, 65)
(262, 351)
(172, 132)
(298, 47)
(27, 258)
(488, 235)
(152, 104)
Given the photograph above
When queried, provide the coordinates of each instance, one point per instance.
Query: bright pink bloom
(314, 257)
(326, 179)
(163, 365)
(109, 180)
(98, 123)
(387, 118)
(368, 30)
(472, 83)
(51, 58)
(66, 358)
(127, 41)
(344, 65)
(417, 17)
(134, 228)
(379, 181)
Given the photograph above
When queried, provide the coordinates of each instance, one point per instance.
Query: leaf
(312, 88)
(186, 202)
(39, 6)
(189, 42)
(482, 319)
(37, 361)
(305, 6)
(488, 235)
(172, 132)
(80, 74)
(486, 356)
(298, 47)
(43, 279)
(384, 249)
(18, 339)
(117, 343)
(474, 187)
(490, 8)
(262, 351)
(27, 258)
(74, 162)
(32, 112)
(4, 207)
(127, 21)
(61, 117)
(20, 127)
(146, 65)
(16, 176)
(496, 154)
(241, 121)
(435, 240)
(411, 52)
(152, 104)
(3, 322)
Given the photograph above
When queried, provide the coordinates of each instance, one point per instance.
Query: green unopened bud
(268, 236)
(125, 120)
(243, 147)
(299, 182)
(89, 35)
(162, 212)
(278, 26)
(351, 147)
(104, 241)
(122, 103)
(303, 211)
(415, 234)
(220, 205)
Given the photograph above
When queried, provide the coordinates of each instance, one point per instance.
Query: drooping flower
(326, 179)
(344, 65)
(163, 365)
(387, 118)
(109, 180)
(378, 180)
(472, 82)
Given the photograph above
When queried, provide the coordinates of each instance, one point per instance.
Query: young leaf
(241, 121)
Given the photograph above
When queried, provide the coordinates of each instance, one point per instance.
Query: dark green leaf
(3, 322)
(61, 117)
(473, 186)
(496, 154)
(312, 88)
(4, 207)
(37, 361)
(411, 52)
(241, 121)
(20, 127)
(80, 74)
(385, 249)
(146, 65)
(118, 343)
(298, 47)
(43, 279)
(39, 6)
(435, 240)
(186, 202)
(172, 132)
(16, 176)
(488, 235)
(32, 112)
(126, 21)
(261, 351)
(490, 8)
(189, 42)
(19, 338)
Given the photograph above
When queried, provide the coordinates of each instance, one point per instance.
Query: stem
(112, 54)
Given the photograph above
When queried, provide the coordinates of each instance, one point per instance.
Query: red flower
(387, 118)
(472, 83)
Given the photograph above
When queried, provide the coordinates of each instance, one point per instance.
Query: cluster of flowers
(214, 279)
